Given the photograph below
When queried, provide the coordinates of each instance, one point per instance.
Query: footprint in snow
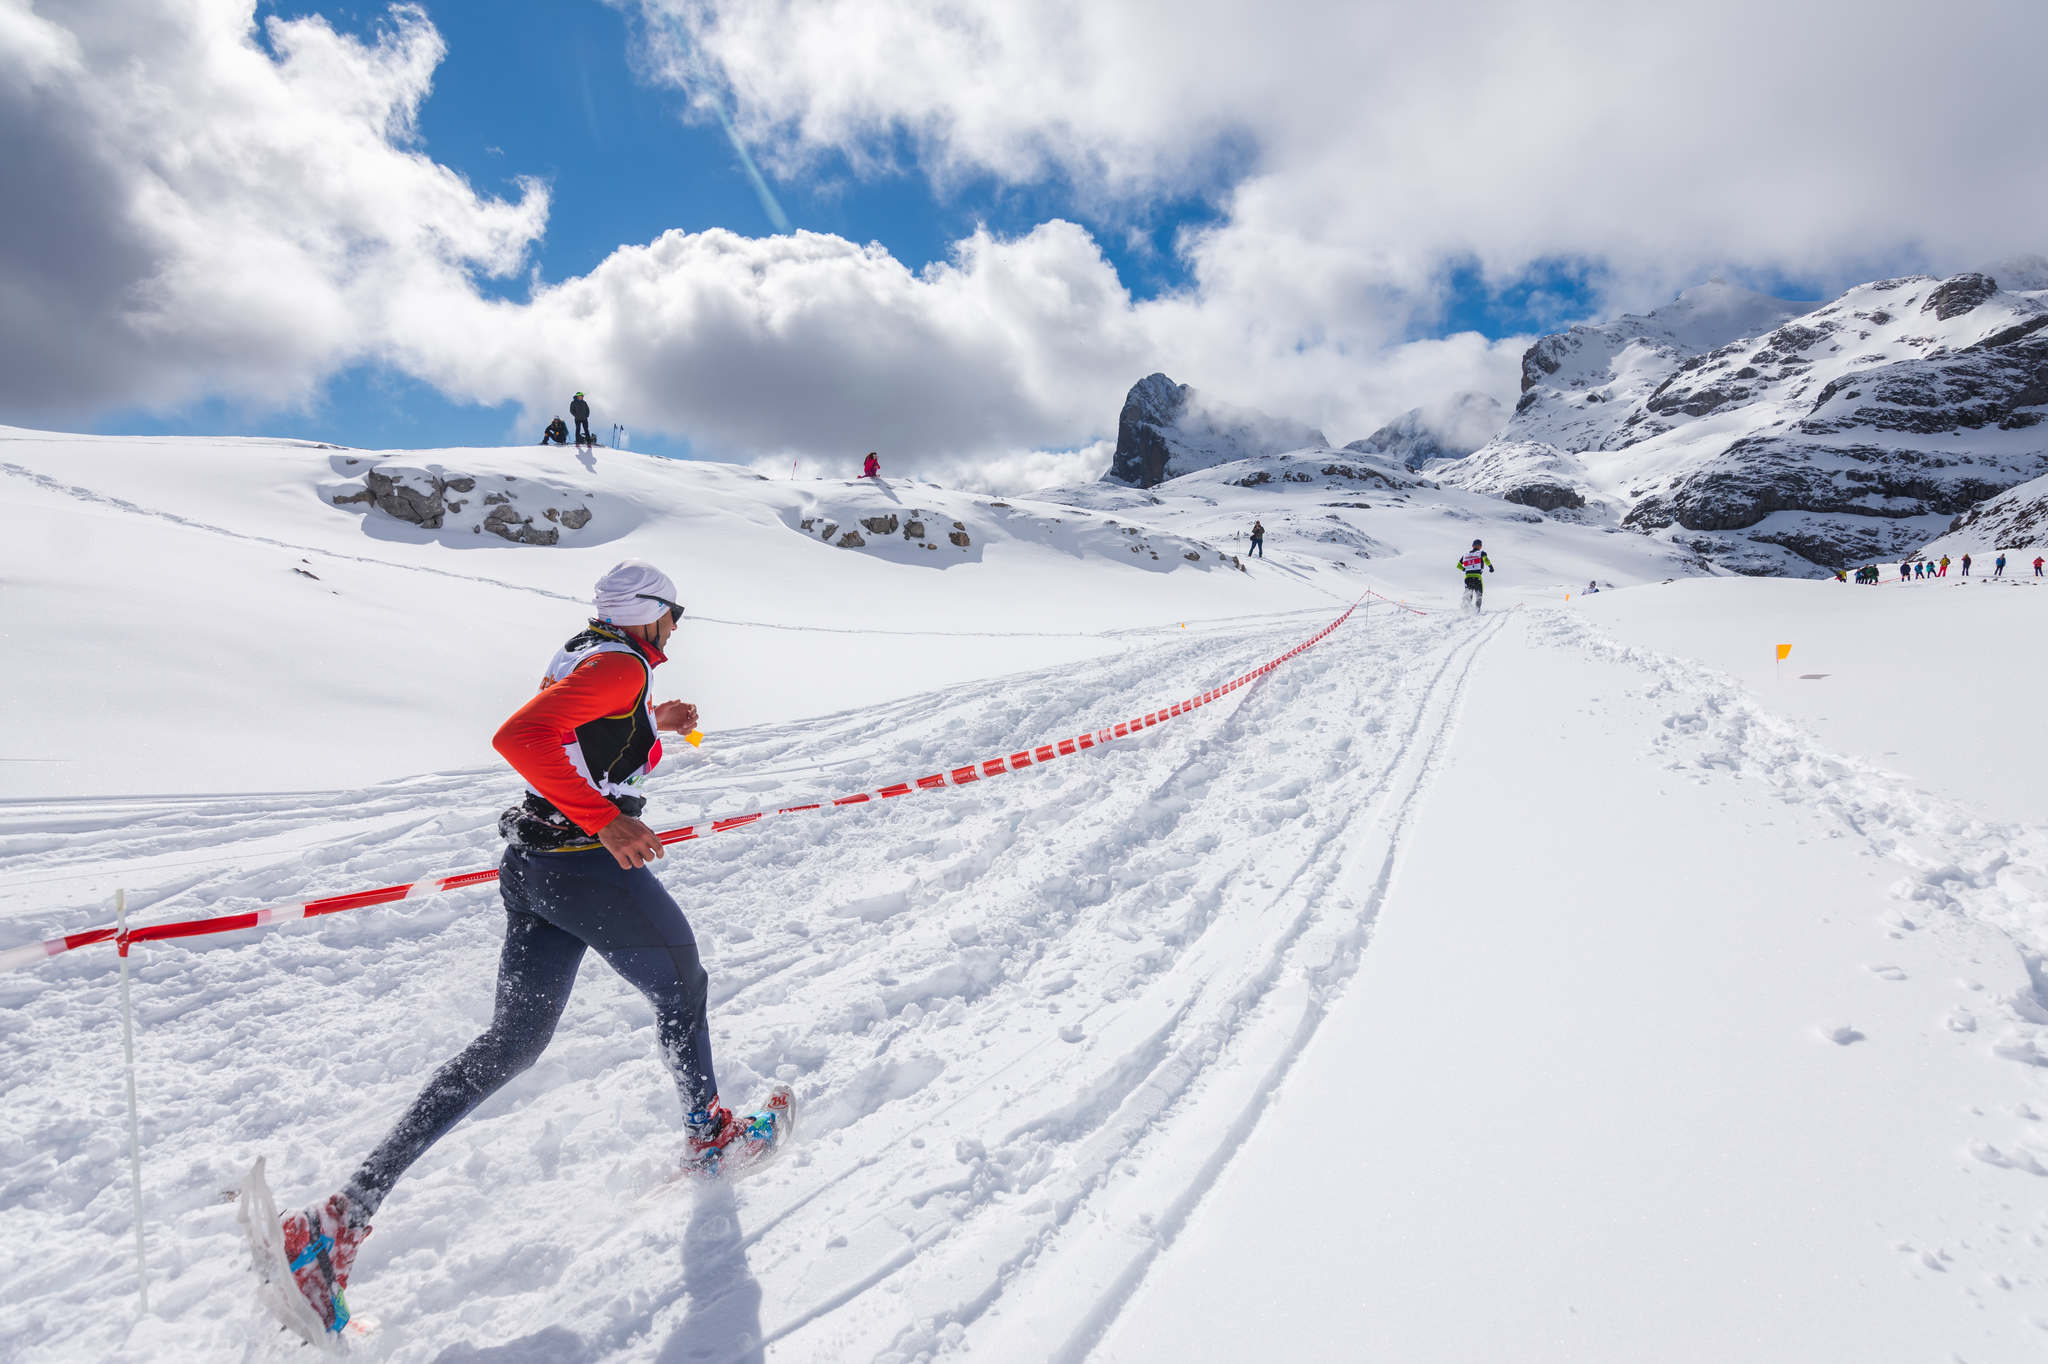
(2017, 1158)
(1884, 972)
(1841, 1035)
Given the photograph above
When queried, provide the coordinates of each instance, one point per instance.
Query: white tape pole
(134, 1125)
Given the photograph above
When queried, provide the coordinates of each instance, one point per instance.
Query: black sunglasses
(675, 611)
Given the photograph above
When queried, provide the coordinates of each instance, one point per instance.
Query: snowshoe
(724, 1145)
(302, 1259)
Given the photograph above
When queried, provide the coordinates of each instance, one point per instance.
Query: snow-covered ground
(206, 614)
(1680, 1037)
(1553, 985)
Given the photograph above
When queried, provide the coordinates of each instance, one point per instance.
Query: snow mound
(924, 524)
(408, 642)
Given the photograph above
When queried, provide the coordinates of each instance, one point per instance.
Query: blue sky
(1350, 168)
(545, 88)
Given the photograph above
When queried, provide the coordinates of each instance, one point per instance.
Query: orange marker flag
(1784, 652)
(695, 738)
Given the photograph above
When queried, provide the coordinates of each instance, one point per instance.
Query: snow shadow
(723, 1321)
(549, 1346)
(720, 1297)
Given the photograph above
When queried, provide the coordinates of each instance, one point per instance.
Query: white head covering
(625, 594)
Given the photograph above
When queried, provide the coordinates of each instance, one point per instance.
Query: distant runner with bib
(1474, 566)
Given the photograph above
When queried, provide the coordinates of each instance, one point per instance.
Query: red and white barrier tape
(31, 953)
(1391, 602)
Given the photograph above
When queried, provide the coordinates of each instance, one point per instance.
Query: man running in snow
(1474, 566)
(579, 412)
(574, 876)
(1258, 539)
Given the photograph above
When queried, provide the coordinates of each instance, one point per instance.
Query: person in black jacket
(580, 410)
(558, 432)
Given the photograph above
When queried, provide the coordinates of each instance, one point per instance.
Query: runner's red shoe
(723, 1144)
(321, 1244)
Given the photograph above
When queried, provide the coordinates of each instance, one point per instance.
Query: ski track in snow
(122, 504)
(1029, 1022)
(985, 997)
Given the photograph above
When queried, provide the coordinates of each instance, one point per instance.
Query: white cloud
(1390, 138)
(807, 344)
(208, 217)
(192, 216)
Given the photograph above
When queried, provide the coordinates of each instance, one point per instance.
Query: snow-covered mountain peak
(1612, 358)
(1780, 437)
(1717, 312)
(1441, 431)
(1168, 429)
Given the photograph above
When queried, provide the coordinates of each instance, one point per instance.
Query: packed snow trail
(1684, 1038)
(985, 997)
(1485, 987)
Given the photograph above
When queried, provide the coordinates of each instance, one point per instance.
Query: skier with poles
(1474, 566)
(575, 876)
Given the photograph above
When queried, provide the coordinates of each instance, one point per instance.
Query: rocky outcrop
(1959, 295)
(1845, 433)
(913, 526)
(1545, 496)
(2015, 519)
(1152, 407)
(430, 497)
(1167, 429)
(508, 524)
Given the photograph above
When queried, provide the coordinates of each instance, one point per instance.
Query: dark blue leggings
(557, 904)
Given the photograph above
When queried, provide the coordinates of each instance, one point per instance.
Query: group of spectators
(557, 432)
(1917, 570)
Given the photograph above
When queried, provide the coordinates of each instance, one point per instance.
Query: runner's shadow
(723, 1321)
